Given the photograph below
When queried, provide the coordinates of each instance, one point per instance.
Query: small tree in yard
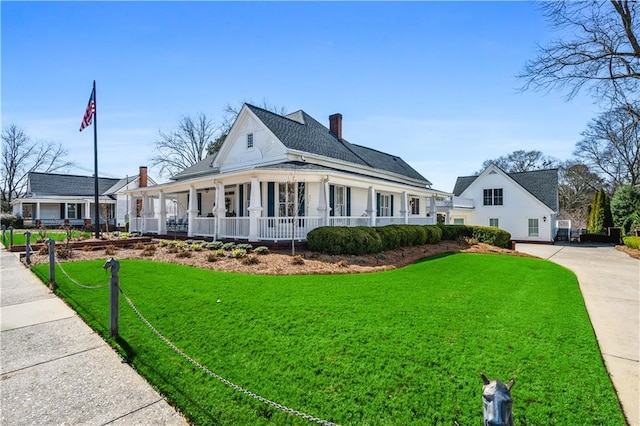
(600, 214)
(625, 208)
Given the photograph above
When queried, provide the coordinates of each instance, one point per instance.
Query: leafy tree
(601, 53)
(625, 208)
(611, 145)
(21, 155)
(187, 145)
(521, 161)
(600, 213)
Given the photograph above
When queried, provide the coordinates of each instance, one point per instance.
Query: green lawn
(19, 237)
(398, 347)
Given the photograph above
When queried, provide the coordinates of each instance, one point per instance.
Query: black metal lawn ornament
(496, 401)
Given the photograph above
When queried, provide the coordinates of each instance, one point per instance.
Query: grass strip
(397, 347)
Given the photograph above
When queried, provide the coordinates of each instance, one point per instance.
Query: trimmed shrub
(247, 247)
(261, 250)
(390, 237)
(344, 240)
(454, 232)
(490, 235)
(632, 242)
(238, 253)
(228, 246)
(214, 245)
(433, 234)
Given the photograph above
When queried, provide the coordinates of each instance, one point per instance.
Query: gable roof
(542, 184)
(51, 184)
(301, 132)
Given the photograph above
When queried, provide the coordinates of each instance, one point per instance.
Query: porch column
(404, 211)
(133, 220)
(371, 206)
(192, 211)
(87, 210)
(66, 211)
(143, 213)
(162, 219)
(37, 212)
(323, 209)
(433, 210)
(255, 210)
(220, 209)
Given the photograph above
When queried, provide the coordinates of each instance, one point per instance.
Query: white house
(278, 176)
(524, 204)
(56, 199)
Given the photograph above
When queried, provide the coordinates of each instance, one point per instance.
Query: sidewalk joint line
(133, 411)
(51, 360)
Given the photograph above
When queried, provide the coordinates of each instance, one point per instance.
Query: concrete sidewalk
(56, 370)
(610, 285)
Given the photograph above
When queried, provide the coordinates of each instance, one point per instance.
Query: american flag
(91, 110)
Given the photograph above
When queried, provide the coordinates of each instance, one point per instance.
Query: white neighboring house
(276, 177)
(60, 199)
(524, 204)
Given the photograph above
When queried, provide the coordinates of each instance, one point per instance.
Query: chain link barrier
(230, 384)
(90, 287)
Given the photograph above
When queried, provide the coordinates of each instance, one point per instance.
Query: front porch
(273, 209)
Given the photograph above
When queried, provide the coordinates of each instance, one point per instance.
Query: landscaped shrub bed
(365, 240)
(632, 242)
(393, 348)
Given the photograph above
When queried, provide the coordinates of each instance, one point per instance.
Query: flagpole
(95, 161)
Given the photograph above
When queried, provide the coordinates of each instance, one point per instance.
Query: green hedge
(632, 242)
(365, 240)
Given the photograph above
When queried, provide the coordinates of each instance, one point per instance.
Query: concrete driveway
(610, 284)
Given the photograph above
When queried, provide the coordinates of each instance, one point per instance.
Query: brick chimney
(335, 125)
(143, 177)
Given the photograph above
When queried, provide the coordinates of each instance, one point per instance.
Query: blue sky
(432, 82)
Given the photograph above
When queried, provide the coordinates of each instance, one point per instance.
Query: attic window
(249, 140)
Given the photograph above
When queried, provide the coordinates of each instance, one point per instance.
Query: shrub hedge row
(364, 239)
(632, 242)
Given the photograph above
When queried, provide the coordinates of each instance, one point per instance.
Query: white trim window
(385, 205)
(458, 221)
(286, 199)
(414, 202)
(493, 221)
(71, 211)
(249, 140)
(492, 197)
(534, 229)
(340, 201)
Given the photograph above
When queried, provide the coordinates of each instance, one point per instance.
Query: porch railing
(135, 224)
(389, 220)
(287, 228)
(348, 221)
(421, 220)
(204, 226)
(234, 227)
(151, 225)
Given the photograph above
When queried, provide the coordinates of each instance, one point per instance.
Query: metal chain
(222, 379)
(76, 282)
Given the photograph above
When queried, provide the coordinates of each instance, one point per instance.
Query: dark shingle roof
(299, 131)
(49, 184)
(542, 184)
(203, 167)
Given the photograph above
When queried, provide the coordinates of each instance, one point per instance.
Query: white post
(66, 211)
(192, 212)
(220, 208)
(323, 210)
(132, 214)
(371, 206)
(404, 212)
(87, 209)
(144, 214)
(433, 210)
(162, 219)
(255, 209)
(37, 211)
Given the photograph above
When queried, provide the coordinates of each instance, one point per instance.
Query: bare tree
(21, 155)
(185, 146)
(602, 53)
(576, 187)
(611, 146)
(521, 161)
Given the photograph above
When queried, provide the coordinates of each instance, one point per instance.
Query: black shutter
(270, 199)
(62, 207)
(301, 199)
(199, 203)
(377, 204)
(332, 194)
(392, 205)
(241, 195)
(348, 201)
